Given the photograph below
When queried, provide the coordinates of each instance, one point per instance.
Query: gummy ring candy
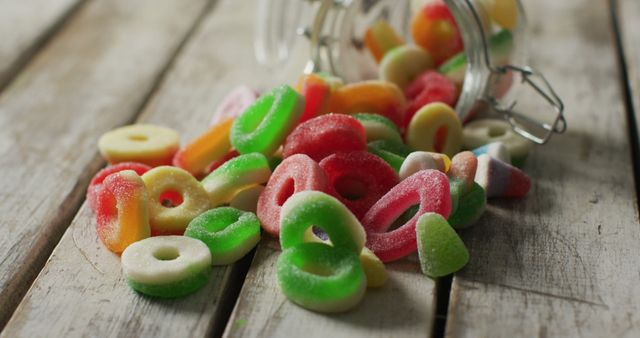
(463, 168)
(317, 93)
(373, 268)
(266, 123)
(500, 179)
(434, 28)
(98, 178)
(210, 146)
(121, 210)
(229, 233)
(422, 160)
(440, 249)
(247, 198)
(234, 104)
(173, 220)
(429, 87)
(145, 143)
(503, 12)
(403, 64)
(307, 209)
(496, 150)
(429, 189)
(381, 38)
(480, 132)
(378, 127)
(469, 208)
(320, 277)
(391, 152)
(167, 266)
(216, 164)
(359, 179)
(424, 127)
(295, 174)
(326, 135)
(234, 175)
(378, 97)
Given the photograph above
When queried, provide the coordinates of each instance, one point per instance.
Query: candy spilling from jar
(347, 177)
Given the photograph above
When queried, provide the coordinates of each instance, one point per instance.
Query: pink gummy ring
(358, 179)
(326, 135)
(295, 174)
(427, 188)
(100, 176)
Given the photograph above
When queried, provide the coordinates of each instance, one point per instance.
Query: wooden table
(562, 262)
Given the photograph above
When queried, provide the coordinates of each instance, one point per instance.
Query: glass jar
(496, 80)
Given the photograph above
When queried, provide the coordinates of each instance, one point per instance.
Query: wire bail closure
(529, 75)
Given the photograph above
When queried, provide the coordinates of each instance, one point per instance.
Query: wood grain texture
(92, 77)
(24, 26)
(629, 15)
(403, 307)
(562, 262)
(81, 290)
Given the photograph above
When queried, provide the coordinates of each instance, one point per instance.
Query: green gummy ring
(321, 278)
(378, 127)
(173, 290)
(266, 123)
(228, 232)
(440, 249)
(470, 207)
(311, 208)
(391, 152)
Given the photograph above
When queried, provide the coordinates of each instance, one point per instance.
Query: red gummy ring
(429, 189)
(358, 179)
(295, 174)
(326, 135)
(427, 88)
(100, 176)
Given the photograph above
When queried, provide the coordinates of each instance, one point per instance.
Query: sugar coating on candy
(121, 210)
(173, 220)
(422, 160)
(463, 168)
(295, 174)
(216, 164)
(503, 12)
(425, 126)
(247, 198)
(98, 178)
(378, 127)
(429, 189)
(484, 131)
(167, 266)
(373, 268)
(381, 38)
(228, 232)
(440, 249)
(376, 97)
(470, 207)
(321, 278)
(306, 209)
(266, 123)
(326, 135)
(144, 143)
(500, 179)
(391, 152)
(428, 88)
(234, 104)
(434, 28)
(210, 146)
(496, 150)
(317, 93)
(403, 64)
(234, 175)
(358, 179)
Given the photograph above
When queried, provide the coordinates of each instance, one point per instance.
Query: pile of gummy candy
(347, 176)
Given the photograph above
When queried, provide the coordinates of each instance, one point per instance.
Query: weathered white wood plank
(24, 25)
(562, 262)
(92, 77)
(81, 290)
(404, 307)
